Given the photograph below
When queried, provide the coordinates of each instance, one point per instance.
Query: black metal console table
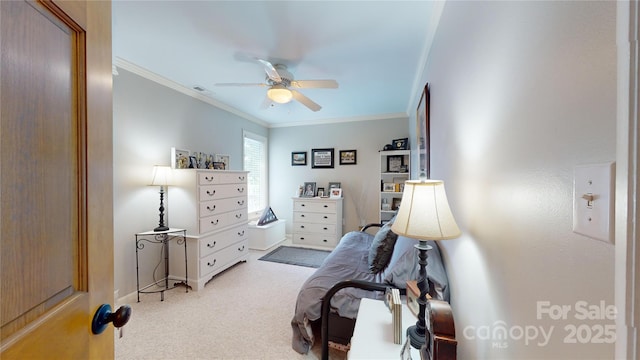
(162, 238)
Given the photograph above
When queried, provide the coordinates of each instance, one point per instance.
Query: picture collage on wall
(324, 158)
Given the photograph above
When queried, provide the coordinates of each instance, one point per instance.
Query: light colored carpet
(243, 313)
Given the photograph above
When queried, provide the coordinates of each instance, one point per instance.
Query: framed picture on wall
(348, 157)
(422, 133)
(299, 158)
(322, 158)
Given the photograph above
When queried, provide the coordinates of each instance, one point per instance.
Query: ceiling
(375, 50)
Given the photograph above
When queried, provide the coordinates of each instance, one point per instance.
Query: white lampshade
(424, 212)
(279, 94)
(161, 175)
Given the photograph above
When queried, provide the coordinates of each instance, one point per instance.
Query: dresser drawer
(315, 217)
(222, 239)
(315, 239)
(212, 207)
(213, 178)
(314, 206)
(223, 257)
(212, 192)
(220, 221)
(314, 228)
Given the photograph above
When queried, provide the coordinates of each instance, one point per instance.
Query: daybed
(384, 258)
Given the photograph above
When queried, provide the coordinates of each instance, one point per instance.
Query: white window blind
(255, 162)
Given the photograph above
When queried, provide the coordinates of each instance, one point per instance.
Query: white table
(373, 333)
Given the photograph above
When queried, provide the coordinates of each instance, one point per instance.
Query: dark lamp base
(161, 228)
(416, 340)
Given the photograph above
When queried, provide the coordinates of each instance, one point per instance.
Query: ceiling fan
(280, 83)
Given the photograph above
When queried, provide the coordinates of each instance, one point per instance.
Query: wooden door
(56, 199)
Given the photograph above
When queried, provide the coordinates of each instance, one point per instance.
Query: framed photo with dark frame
(400, 144)
(309, 189)
(422, 132)
(299, 158)
(395, 163)
(322, 158)
(348, 157)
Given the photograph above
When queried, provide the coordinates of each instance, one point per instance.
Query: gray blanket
(349, 261)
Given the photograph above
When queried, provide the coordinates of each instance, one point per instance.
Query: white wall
(521, 92)
(149, 119)
(360, 182)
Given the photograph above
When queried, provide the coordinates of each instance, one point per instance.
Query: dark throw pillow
(382, 248)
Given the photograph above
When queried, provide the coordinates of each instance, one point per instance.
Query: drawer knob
(240, 190)
(301, 226)
(325, 228)
(324, 240)
(238, 216)
(211, 208)
(211, 246)
(240, 202)
(301, 238)
(241, 248)
(326, 217)
(303, 205)
(211, 193)
(211, 264)
(215, 222)
(326, 206)
(301, 215)
(241, 233)
(241, 178)
(209, 179)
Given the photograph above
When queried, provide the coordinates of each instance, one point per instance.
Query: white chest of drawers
(212, 206)
(317, 221)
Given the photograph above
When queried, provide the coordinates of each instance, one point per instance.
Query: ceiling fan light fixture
(279, 94)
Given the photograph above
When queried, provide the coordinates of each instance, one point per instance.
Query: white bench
(266, 236)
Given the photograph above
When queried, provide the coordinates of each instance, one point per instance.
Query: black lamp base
(161, 228)
(416, 340)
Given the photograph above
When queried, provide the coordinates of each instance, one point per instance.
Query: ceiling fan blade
(310, 84)
(271, 71)
(240, 84)
(305, 101)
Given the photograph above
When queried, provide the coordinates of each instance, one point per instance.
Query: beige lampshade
(424, 212)
(161, 175)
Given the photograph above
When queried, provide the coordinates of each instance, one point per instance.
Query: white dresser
(212, 206)
(317, 221)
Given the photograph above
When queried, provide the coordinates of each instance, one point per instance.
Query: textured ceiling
(375, 50)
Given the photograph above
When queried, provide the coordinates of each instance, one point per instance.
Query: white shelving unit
(395, 169)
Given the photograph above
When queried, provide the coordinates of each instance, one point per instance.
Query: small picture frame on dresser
(335, 193)
(309, 189)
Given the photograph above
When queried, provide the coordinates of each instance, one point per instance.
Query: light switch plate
(593, 206)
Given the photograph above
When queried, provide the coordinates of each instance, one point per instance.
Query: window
(255, 162)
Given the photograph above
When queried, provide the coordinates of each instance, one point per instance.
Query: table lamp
(424, 214)
(162, 178)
